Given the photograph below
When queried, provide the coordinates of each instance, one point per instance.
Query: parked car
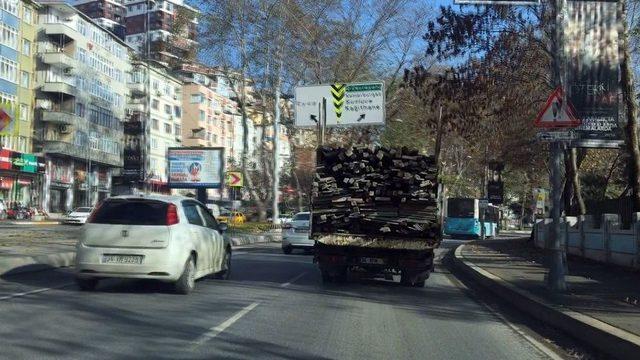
(78, 216)
(295, 234)
(173, 239)
(231, 217)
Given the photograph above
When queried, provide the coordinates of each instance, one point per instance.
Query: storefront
(59, 185)
(21, 176)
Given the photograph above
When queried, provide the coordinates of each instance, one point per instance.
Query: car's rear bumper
(297, 240)
(74, 221)
(159, 264)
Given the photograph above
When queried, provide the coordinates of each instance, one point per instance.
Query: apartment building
(81, 92)
(110, 14)
(20, 175)
(158, 98)
(172, 26)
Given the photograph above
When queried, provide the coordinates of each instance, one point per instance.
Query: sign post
(558, 113)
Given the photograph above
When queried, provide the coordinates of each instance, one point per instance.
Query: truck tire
(406, 280)
(341, 277)
(326, 277)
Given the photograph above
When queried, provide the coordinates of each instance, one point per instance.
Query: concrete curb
(606, 338)
(246, 239)
(30, 223)
(23, 264)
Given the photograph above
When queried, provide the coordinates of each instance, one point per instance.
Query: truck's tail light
(172, 215)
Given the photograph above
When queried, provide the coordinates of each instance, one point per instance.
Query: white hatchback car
(169, 238)
(78, 216)
(295, 234)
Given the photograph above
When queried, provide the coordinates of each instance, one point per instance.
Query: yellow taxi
(232, 217)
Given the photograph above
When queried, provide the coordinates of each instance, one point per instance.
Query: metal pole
(324, 118)
(276, 169)
(556, 277)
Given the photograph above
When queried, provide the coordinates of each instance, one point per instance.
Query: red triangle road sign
(555, 114)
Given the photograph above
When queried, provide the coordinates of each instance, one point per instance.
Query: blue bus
(463, 218)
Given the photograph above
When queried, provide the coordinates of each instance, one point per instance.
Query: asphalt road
(274, 306)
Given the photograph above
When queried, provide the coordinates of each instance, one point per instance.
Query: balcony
(137, 89)
(59, 117)
(58, 59)
(61, 29)
(80, 152)
(136, 106)
(59, 87)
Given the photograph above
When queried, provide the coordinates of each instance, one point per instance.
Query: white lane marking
(7, 297)
(293, 280)
(215, 331)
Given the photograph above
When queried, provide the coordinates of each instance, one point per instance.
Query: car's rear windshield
(83, 209)
(301, 217)
(131, 212)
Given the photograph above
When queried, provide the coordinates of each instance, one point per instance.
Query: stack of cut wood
(375, 191)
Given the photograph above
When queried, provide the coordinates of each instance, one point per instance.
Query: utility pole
(556, 277)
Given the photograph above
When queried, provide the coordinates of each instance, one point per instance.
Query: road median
(556, 311)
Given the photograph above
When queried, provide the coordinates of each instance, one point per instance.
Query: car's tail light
(172, 215)
(92, 217)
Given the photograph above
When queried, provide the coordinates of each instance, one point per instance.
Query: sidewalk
(601, 307)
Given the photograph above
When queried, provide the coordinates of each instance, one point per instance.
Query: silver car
(295, 234)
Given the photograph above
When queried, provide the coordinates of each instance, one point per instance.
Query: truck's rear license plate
(368, 260)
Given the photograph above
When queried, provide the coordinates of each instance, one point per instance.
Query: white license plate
(368, 260)
(122, 259)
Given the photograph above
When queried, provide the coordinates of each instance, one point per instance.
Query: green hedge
(251, 227)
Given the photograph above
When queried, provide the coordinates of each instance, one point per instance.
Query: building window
(24, 112)
(195, 99)
(177, 130)
(215, 138)
(25, 79)
(8, 70)
(154, 144)
(155, 104)
(10, 6)
(202, 115)
(155, 125)
(166, 89)
(167, 128)
(27, 15)
(177, 111)
(167, 109)
(9, 36)
(26, 47)
(156, 85)
(80, 109)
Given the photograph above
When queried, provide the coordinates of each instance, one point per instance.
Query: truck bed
(377, 242)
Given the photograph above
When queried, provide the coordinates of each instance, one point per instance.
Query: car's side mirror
(222, 227)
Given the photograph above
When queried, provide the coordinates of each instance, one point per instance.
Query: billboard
(196, 167)
(347, 104)
(9, 123)
(591, 49)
